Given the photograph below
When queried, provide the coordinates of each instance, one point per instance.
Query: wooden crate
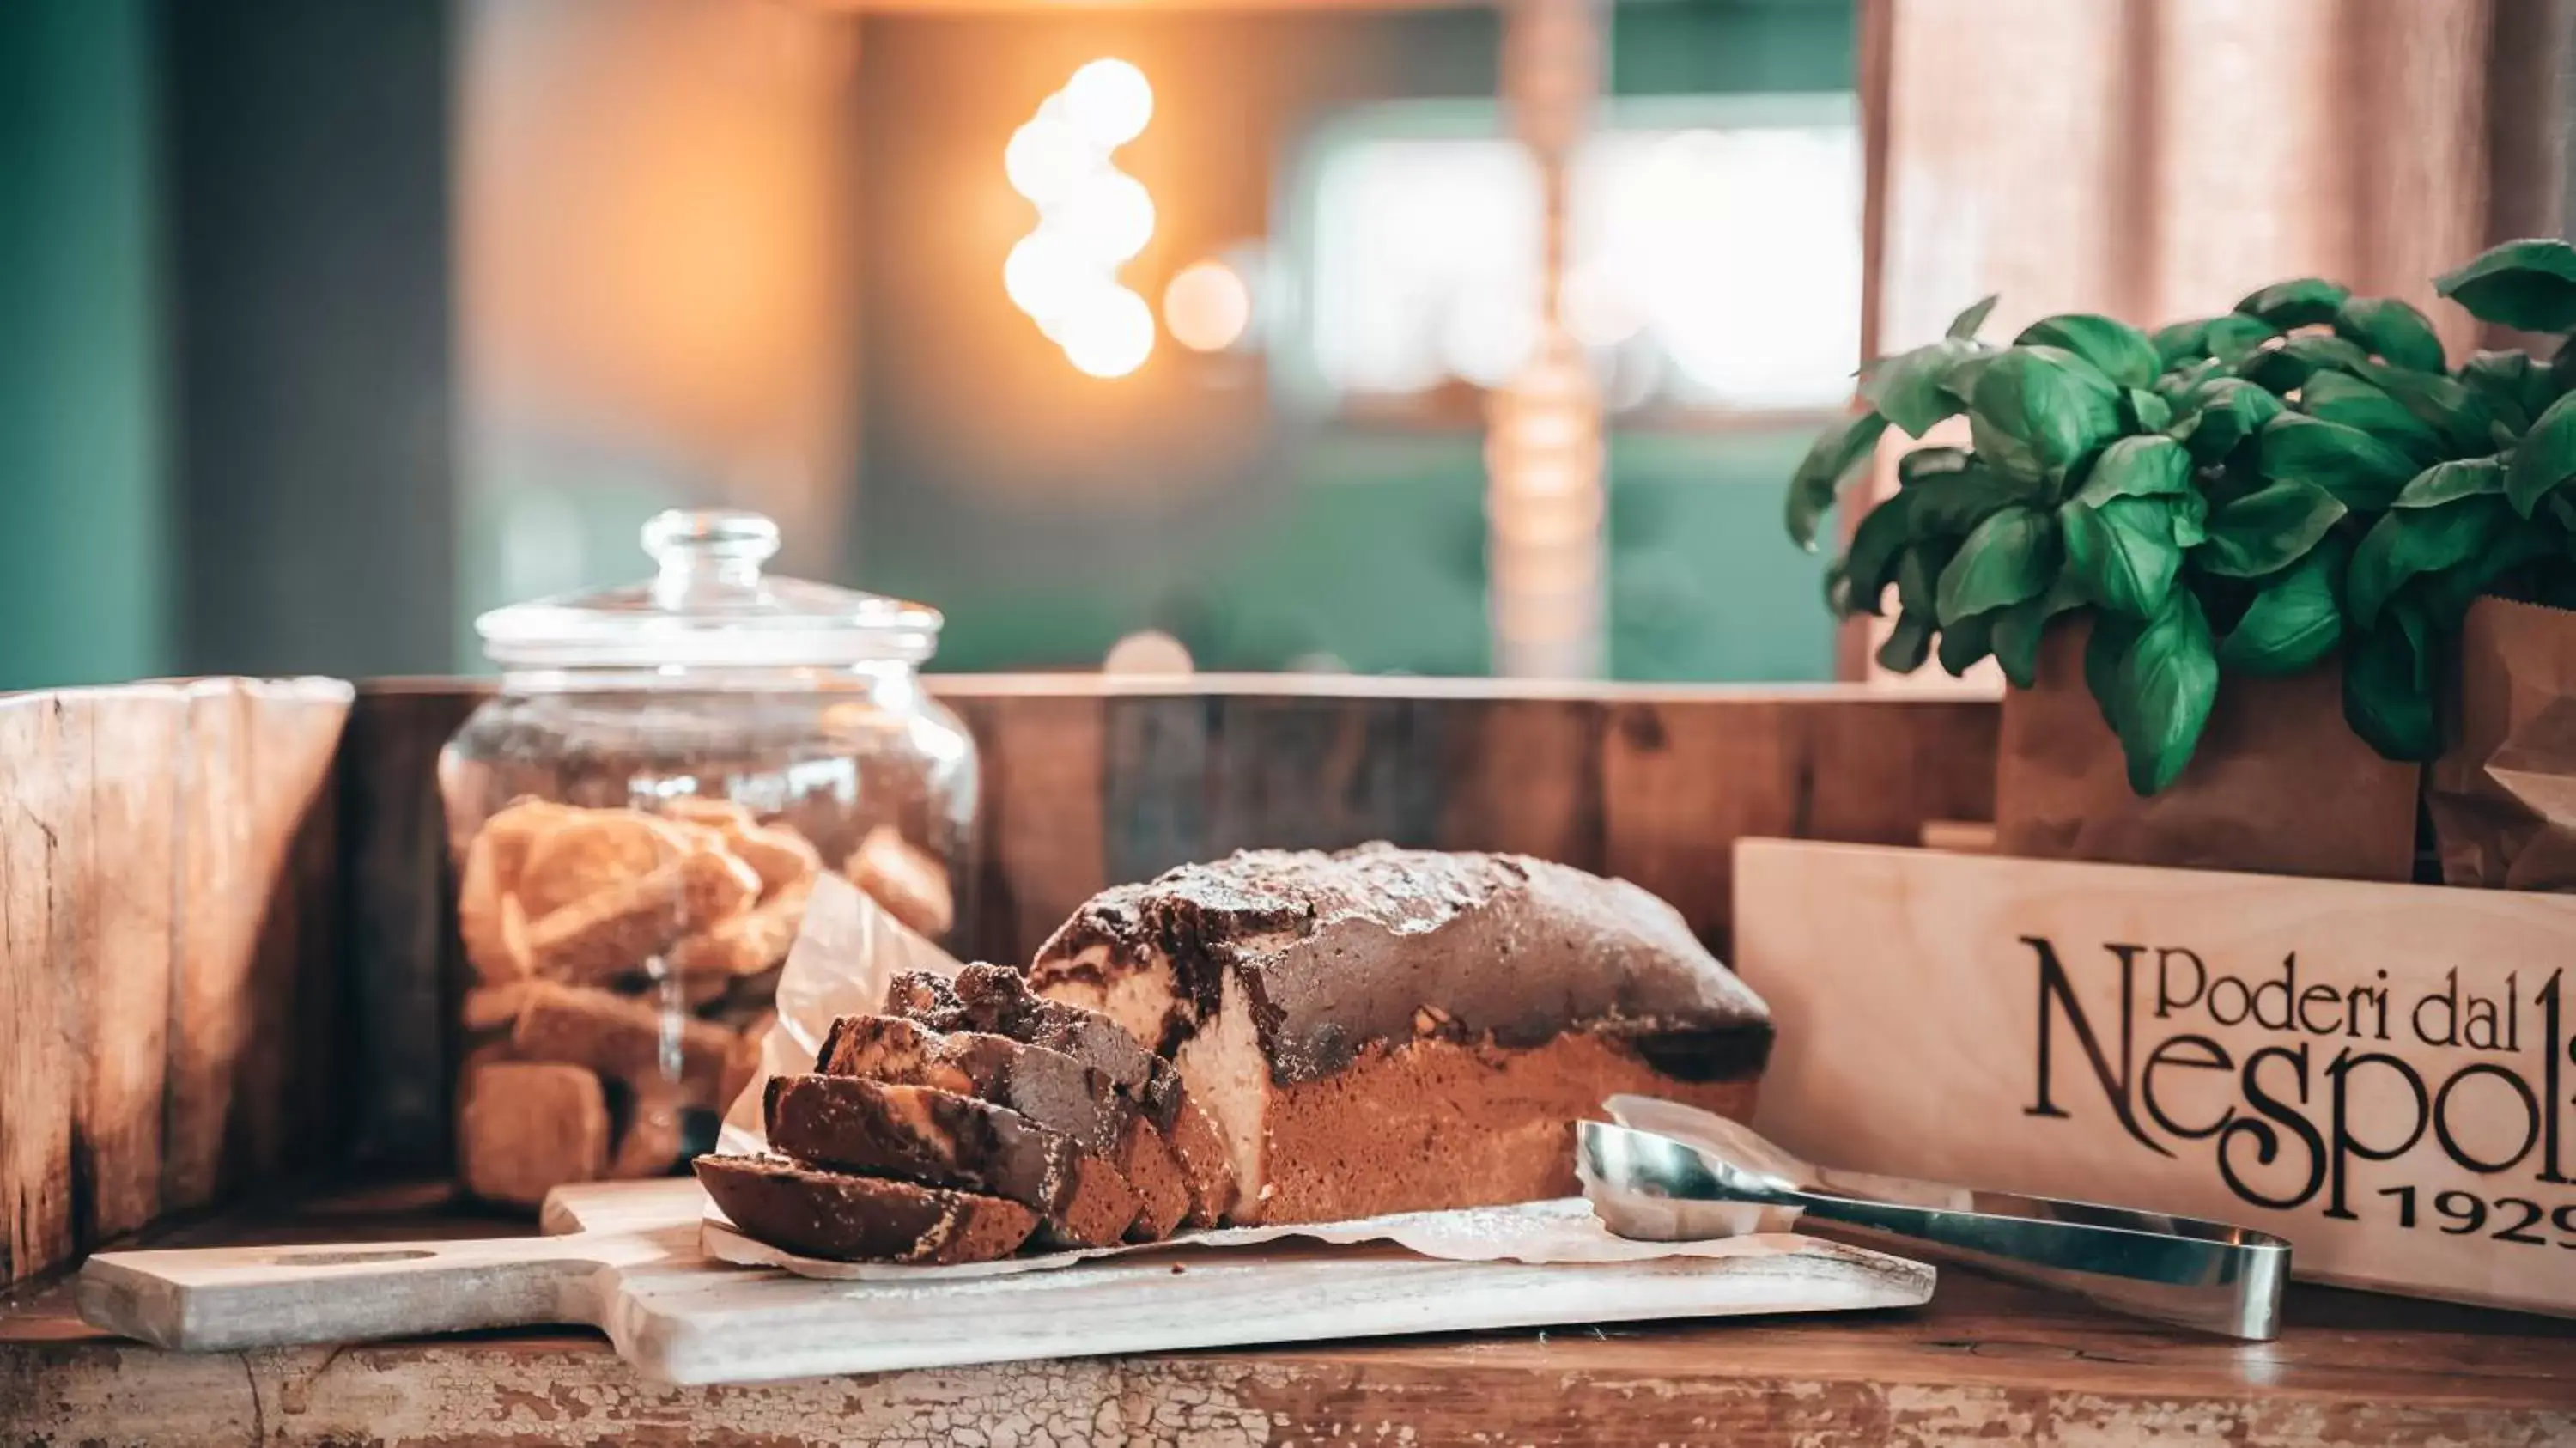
(289, 1007)
(2383, 1074)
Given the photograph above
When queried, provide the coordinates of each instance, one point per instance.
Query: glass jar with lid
(636, 820)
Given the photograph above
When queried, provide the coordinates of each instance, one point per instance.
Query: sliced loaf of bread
(997, 1001)
(943, 1139)
(1047, 1087)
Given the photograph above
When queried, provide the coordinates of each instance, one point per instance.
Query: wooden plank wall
(229, 952)
(169, 957)
(1098, 784)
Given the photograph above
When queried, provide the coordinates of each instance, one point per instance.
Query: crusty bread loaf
(1390, 1030)
(1047, 1087)
(939, 1138)
(862, 1219)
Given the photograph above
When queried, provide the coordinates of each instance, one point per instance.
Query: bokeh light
(1207, 306)
(1107, 217)
(1109, 102)
(1092, 218)
(1108, 332)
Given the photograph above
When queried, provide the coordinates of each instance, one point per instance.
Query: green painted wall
(80, 447)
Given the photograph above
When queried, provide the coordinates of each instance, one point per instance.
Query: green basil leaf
(2397, 332)
(2360, 470)
(2190, 518)
(2120, 553)
(2448, 592)
(2283, 369)
(2179, 381)
(1918, 575)
(2119, 351)
(2142, 411)
(2526, 285)
(2301, 303)
(2168, 680)
(1876, 543)
(2268, 529)
(1837, 454)
(2104, 651)
(1961, 384)
(2038, 410)
(1907, 388)
(1965, 642)
(2545, 458)
(2017, 630)
(2448, 482)
(2460, 415)
(2137, 467)
(2011, 556)
(2181, 342)
(1964, 326)
(2341, 397)
(2388, 686)
(1908, 644)
(1919, 464)
(2514, 387)
(1952, 504)
(2411, 541)
(2234, 479)
(2233, 339)
(2228, 410)
(2295, 621)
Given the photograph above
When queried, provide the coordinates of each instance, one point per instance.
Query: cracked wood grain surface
(1985, 1363)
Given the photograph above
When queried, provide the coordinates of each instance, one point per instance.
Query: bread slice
(941, 1139)
(862, 1219)
(996, 1000)
(1047, 1087)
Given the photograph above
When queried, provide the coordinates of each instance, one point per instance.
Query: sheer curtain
(2157, 159)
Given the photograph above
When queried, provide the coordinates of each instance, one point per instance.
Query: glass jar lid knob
(708, 606)
(702, 553)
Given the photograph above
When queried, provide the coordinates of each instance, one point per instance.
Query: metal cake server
(1669, 1172)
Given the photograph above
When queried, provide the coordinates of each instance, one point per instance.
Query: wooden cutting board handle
(222, 1299)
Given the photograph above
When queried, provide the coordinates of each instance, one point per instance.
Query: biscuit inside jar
(591, 931)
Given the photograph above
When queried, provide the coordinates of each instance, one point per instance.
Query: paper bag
(2280, 784)
(2503, 798)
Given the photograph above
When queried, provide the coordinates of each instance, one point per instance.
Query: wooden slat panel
(40, 997)
(401, 928)
(136, 804)
(1039, 838)
(1154, 770)
(1522, 775)
(170, 954)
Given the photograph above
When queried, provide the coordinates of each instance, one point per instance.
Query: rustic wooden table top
(1985, 1362)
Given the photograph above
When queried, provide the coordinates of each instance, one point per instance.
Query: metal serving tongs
(1670, 1173)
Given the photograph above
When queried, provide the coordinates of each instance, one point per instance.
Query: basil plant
(2236, 495)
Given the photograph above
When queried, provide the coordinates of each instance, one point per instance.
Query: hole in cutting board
(343, 1259)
